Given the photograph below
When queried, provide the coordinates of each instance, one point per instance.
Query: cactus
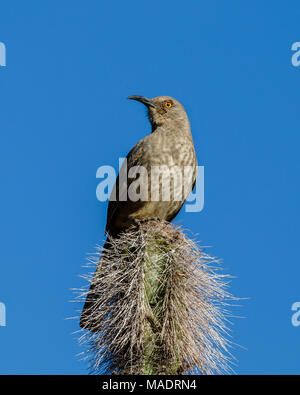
(159, 305)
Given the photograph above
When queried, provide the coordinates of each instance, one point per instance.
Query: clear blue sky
(64, 113)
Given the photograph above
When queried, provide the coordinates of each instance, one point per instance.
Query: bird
(168, 157)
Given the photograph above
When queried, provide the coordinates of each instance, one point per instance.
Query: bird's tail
(86, 318)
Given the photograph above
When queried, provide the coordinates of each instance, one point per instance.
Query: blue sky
(64, 113)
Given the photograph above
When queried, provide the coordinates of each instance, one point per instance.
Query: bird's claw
(138, 222)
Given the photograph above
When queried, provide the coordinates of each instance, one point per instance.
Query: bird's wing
(115, 202)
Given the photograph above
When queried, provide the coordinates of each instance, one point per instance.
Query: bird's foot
(137, 222)
(150, 219)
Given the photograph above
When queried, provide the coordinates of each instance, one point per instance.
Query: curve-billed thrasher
(168, 153)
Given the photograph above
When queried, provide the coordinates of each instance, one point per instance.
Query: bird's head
(163, 110)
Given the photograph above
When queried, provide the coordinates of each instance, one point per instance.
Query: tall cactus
(159, 306)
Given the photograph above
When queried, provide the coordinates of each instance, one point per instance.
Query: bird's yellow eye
(168, 104)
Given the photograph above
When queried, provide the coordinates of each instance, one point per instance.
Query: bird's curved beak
(142, 99)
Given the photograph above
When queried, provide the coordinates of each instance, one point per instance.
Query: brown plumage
(168, 154)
